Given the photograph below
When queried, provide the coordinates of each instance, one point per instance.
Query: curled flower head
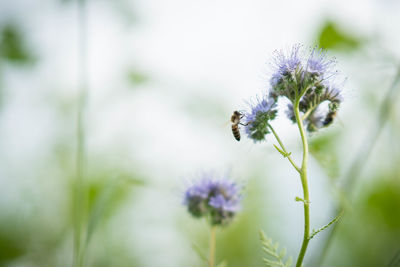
(257, 119)
(217, 199)
(315, 121)
(310, 103)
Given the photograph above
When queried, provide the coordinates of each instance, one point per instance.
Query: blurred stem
(285, 153)
(211, 260)
(304, 183)
(80, 132)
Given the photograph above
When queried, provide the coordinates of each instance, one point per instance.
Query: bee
(235, 119)
(329, 118)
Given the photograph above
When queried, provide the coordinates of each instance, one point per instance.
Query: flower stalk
(304, 183)
(216, 199)
(303, 177)
(211, 260)
(308, 83)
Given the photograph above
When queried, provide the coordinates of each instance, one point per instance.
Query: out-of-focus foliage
(106, 192)
(323, 148)
(370, 234)
(331, 36)
(12, 45)
(13, 49)
(137, 77)
(40, 242)
(37, 231)
(239, 244)
(29, 239)
(11, 235)
(383, 200)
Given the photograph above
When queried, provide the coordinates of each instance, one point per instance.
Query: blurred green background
(108, 108)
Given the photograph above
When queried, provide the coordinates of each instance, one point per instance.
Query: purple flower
(256, 120)
(220, 202)
(318, 63)
(217, 199)
(294, 74)
(285, 64)
(311, 80)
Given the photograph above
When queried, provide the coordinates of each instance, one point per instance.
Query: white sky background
(216, 51)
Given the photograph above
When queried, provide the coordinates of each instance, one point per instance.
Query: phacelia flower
(312, 79)
(286, 67)
(216, 199)
(318, 63)
(294, 74)
(256, 120)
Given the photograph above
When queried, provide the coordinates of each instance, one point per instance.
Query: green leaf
(289, 262)
(12, 46)
(315, 232)
(276, 257)
(331, 36)
(282, 253)
(283, 153)
(10, 247)
(298, 199)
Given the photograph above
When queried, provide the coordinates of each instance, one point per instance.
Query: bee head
(237, 113)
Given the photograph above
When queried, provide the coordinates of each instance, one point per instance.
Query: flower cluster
(306, 79)
(216, 199)
(312, 79)
(256, 120)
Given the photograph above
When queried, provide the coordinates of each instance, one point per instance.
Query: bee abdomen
(329, 118)
(236, 132)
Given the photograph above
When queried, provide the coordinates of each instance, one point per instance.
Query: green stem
(303, 176)
(287, 155)
(211, 260)
(308, 113)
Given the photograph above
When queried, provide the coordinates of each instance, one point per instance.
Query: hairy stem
(211, 260)
(304, 183)
(287, 155)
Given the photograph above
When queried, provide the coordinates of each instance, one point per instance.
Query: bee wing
(226, 124)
